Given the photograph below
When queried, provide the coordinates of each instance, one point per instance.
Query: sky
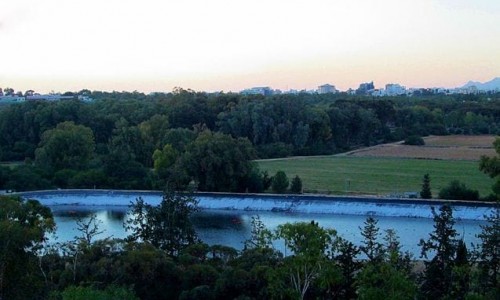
(229, 45)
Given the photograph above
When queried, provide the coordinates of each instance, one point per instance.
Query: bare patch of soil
(436, 147)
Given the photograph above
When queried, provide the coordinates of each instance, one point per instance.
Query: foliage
(24, 226)
(491, 166)
(383, 281)
(308, 243)
(296, 186)
(371, 247)
(261, 237)
(218, 162)
(279, 182)
(166, 226)
(414, 140)
(26, 177)
(85, 293)
(317, 263)
(128, 127)
(68, 146)
(426, 193)
(442, 243)
(489, 254)
(458, 191)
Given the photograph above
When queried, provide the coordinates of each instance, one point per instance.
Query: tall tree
(280, 182)
(491, 166)
(308, 243)
(167, 226)
(442, 243)
(489, 254)
(218, 162)
(68, 146)
(296, 186)
(24, 225)
(371, 247)
(426, 193)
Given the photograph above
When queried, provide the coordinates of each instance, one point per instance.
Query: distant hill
(491, 85)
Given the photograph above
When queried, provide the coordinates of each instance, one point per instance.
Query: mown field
(393, 168)
(453, 147)
(379, 176)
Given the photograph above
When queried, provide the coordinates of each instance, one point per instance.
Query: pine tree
(426, 193)
(280, 182)
(296, 186)
(442, 242)
(371, 247)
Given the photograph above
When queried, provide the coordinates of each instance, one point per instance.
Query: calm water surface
(232, 228)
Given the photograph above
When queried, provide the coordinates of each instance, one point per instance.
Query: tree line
(162, 258)
(137, 141)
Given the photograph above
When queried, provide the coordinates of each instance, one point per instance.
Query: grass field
(379, 176)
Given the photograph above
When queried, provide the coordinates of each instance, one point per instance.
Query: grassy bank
(363, 175)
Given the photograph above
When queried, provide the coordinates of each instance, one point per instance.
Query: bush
(296, 186)
(458, 191)
(280, 182)
(414, 140)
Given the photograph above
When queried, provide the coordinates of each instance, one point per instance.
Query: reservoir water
(226, 219)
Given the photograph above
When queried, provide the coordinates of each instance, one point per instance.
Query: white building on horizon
(394, 89)
(327, 89)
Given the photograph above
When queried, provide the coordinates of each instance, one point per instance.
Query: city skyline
(232, 45)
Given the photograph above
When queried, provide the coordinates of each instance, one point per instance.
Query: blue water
(229, 223)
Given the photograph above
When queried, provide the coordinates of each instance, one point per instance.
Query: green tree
(458, 191)
(280, 182)
(261, 237)
(296, 186)
(371, 247)
(426, 193)
(414, 140)
(442, 243)
(167, 226)
(218, 162)
(24, 225)
(68, 146)
(168, 172)
(382, 281)
(88, 293)
(491, 166)
(25, 178)
(489, 254)
(308, 243)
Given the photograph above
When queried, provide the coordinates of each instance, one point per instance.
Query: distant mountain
(491, 85)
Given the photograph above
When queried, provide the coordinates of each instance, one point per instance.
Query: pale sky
(229, 45)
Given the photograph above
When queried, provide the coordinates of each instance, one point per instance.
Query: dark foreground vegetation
(137, 141)
(163, 259)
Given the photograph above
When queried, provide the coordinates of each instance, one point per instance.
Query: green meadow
(377, 176)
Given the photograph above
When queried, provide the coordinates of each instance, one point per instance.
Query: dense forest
(185, 140)
(163, 258)
(135, 141)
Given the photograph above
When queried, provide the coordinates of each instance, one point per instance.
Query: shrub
(280, 182)
(458, 191)
(414, 140)
(296, 186)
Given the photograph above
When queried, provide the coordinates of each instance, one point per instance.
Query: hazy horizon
(224, 45)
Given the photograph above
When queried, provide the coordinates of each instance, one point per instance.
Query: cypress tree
(426, 193)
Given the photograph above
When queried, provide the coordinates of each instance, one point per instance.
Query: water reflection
(232, 228)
